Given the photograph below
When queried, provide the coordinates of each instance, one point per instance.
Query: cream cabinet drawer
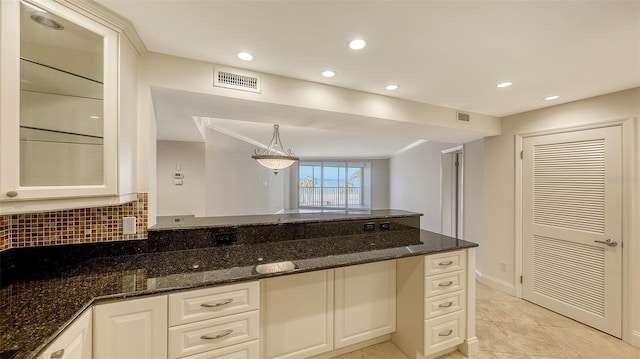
(199, 337)
(444, 283)
(201, 304)
(444, 263)
(249, 350)
(444, 332)
(443, 304)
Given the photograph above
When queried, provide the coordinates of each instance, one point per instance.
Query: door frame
(629, 210)
(460, 184)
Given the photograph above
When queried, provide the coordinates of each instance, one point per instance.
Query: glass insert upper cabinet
(58, 103)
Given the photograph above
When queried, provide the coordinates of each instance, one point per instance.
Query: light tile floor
(511, 328)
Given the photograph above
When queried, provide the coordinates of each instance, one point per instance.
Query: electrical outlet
(129, 225)
(504, 267)
(370, 226)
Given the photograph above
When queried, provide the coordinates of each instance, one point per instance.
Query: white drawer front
(443, 304)
(444, 332)
(249, 350)
(201, 304)
(212, 334)
(444, 283)
(444, 263)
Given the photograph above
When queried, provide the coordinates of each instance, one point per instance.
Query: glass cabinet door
(59, 103)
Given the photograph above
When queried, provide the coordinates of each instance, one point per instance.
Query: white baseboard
(496, 283)
(634, 339)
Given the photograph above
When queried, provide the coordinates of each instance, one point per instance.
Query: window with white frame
(334, 185)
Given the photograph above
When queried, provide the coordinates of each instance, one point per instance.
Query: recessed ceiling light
(245, 56)
(549, 98)
(391, 87)
(328, 73)
(357, 44)
(504, 84)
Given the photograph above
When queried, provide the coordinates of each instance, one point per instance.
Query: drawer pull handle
(218, 304)
(58, 354)
(446, 305)
(445, 284)
(446, 334)
(447, 263)
(217, 335)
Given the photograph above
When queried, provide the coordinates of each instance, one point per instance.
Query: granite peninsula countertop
(37, 306)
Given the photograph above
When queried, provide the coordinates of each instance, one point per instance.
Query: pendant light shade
(275, 157)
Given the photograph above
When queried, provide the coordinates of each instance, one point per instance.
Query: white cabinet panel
(365, 302)
(444, 283)
(444, 304)
(297, 312)
(444, 332)
(195, 305)
(74, 342)
(205, 335)
(248, 350)
(444, 263)
(135, 328)
(436, 304)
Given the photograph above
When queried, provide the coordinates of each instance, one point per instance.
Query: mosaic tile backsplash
(81, 225)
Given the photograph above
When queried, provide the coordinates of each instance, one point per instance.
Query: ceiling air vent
(237, 80)
(463, 117)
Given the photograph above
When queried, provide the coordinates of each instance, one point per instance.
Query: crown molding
(108, 18)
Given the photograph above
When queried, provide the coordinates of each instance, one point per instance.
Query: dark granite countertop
(36, 308)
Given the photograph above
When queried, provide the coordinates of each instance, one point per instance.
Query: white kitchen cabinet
(74, 343)
(220, 321)
(134, 328)
(68, 114)
(436, 304)
(365, 302)
(297, 315)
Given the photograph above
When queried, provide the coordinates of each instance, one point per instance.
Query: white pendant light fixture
(275, 157)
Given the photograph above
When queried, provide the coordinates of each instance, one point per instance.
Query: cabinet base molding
(470, 347)
(353, 347)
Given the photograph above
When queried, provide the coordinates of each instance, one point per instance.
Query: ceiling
(448, 53)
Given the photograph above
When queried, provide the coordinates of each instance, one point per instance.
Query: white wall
(237, 184)
(188, 198)
(414, 182)
(380, 190)
(498, 242)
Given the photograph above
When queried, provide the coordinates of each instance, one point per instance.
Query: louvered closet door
(571, 203)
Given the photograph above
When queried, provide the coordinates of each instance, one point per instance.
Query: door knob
(610, 242)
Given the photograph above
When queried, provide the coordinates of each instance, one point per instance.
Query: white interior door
(572, 206)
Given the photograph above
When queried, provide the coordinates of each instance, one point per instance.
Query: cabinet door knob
(446, 334)
(445, 284)
(447, 263)
(12, 194)
(57, 354)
